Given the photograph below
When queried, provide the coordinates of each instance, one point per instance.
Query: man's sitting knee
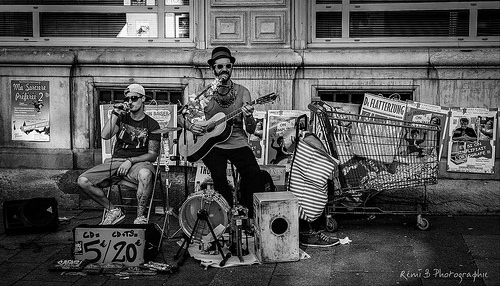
(145, 175)
(83, 182)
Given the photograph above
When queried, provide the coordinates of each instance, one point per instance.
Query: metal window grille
(356, 96)
(115, 95)
(160, 95)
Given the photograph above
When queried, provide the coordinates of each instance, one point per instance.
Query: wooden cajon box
(276, 217)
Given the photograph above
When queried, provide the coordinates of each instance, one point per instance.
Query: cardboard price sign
(110, 245)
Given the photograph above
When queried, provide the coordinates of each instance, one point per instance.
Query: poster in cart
(383, 107)
(166, 115)
(30, 107)
(473, 135)
(281, 136)
(420, 112)
(257, 140)
(378, 141)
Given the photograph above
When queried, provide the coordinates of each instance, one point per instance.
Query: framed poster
(166, 115)
(30, 107)
(473, 135)
(280, 136)
(257, 140)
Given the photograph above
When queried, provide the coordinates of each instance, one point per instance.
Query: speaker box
(36, 214)
(276, 217)
(130, 244)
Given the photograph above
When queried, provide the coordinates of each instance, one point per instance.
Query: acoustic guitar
(195, 147)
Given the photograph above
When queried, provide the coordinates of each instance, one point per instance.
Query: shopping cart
(376, 155)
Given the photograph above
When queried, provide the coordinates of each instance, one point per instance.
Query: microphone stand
(186, 191)
(184, 112)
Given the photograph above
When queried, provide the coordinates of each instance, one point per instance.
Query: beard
(223, 76)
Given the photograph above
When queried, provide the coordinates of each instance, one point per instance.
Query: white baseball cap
(136, 88)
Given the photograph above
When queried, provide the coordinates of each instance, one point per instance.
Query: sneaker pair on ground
(317, 239)
(116, 215)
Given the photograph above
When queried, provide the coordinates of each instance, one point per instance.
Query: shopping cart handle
(315, 108)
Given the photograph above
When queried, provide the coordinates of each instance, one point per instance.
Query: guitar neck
(232, 114)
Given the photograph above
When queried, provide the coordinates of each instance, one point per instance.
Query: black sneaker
(316, 239)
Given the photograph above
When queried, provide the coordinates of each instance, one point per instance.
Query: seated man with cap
(134, 151)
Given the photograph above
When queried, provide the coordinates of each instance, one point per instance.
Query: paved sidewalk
(385, 250)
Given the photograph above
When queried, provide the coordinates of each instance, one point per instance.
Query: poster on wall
(166, 115)
(431, 114)
(472, 134)
(257, 140)
(280, 136)
(30, 107)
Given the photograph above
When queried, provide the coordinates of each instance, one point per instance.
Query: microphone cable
(119, 106)
(111, 161)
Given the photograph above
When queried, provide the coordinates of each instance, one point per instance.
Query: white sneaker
(141, 220)
(113, 216)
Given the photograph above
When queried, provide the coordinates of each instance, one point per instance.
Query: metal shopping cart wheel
(331, 224)
(422, 223)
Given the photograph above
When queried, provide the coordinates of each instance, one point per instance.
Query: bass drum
(216, 207)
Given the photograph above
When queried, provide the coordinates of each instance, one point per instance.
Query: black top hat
(219, 53)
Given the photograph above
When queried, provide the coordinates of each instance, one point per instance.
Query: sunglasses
(134, 98)
(220, 66)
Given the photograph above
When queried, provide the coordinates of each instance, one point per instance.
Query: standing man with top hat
(134, 151)
(227, 97)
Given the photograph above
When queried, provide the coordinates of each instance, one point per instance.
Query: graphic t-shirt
(133, 137)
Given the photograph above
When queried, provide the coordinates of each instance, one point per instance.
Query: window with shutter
(405, 22)
(102, 22)
(16, 24)
(409, 24)
(488, 22)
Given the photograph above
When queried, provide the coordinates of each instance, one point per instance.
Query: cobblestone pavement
(384, 250)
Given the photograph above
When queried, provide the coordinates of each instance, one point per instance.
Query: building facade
(85, 52)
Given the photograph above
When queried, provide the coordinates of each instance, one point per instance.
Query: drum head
(216, 207)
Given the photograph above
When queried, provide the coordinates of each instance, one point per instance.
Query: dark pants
(246, 165)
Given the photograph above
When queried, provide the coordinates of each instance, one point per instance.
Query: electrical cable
(112, 153)
(111, 161)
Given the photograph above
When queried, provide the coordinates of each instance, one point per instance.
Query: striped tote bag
(311, 167)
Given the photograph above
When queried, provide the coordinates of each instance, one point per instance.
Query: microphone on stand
(184, 108)
(224, 77)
